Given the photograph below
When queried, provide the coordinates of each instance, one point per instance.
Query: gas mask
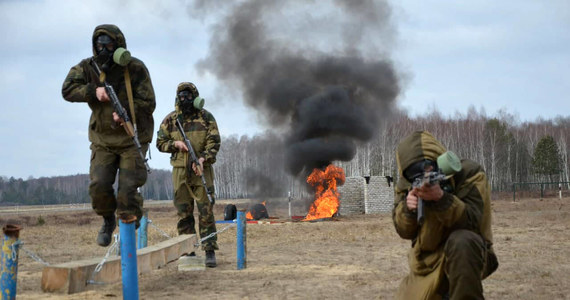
(189, 104)
(107, 53)
(448, 164)
(418, 169)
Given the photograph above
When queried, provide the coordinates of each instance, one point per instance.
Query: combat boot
(106, 231)
(210, 259)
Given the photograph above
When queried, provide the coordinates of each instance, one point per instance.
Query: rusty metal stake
(10, 246)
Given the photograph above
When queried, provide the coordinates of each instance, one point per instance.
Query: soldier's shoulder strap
(130, 95)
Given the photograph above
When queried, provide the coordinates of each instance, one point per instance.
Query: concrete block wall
(359, 197)
(380, 198)
(352, 196)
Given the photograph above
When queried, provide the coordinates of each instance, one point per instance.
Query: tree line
(254, 167)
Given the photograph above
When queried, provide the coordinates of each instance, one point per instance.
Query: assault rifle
(195, 160)
(120, 110)
(430, 178)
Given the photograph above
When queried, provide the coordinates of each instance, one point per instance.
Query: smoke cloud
(321, 79)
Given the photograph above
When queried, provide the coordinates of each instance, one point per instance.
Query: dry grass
(357, 257)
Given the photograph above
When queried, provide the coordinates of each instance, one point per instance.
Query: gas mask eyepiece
(184, 96)
(104, 43)
(417, 169)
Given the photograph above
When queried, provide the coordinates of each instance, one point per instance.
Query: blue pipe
(241, 241)
(129, 260)
(142, 232)
(10, 247)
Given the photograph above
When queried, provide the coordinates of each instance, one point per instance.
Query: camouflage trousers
(184, 196)
(105, 162)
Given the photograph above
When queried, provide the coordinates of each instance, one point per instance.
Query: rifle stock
(120, 110)
(195, 160)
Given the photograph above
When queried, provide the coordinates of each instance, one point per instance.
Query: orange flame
(249, 216)
(326, 195)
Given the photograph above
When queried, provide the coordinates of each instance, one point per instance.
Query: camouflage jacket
(200, 128)
(80, 85)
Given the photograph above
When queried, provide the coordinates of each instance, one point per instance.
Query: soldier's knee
(186, 226)
(464, 242)
(102, 177)
(131, 179)
(100, 186)
(140, 176)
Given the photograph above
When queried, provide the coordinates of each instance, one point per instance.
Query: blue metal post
(241, 241)
(129, 271)
(142, 231)
(10, 246)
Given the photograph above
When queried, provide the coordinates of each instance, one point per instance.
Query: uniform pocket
(177, 159)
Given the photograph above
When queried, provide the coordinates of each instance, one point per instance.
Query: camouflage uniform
(202, 131)
(452, 251)
(112, 148)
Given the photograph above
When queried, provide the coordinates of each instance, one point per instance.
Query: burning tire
(259, 211)
(230, 212)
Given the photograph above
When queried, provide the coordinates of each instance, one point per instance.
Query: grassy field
(354, 257)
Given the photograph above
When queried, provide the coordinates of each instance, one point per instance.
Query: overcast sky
(510, 55)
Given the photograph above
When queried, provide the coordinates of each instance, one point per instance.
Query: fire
(326, 195)
(249, 216)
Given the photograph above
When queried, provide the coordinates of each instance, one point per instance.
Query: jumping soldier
(201, 129)
(112, 149)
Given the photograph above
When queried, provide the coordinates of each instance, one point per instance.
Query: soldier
(452, 249)
(201, 129)
(112, 149)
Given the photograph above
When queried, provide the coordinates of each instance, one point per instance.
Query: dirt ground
(355, 257)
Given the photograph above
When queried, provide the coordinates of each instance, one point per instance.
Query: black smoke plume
(326, 100)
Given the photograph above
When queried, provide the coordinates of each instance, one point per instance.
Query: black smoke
(261, 186)
(328, 100)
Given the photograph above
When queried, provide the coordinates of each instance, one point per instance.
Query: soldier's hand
(181, 146)
(198, 171)
(101, 94)
(412, 200)
(429, 192)
(118, 119)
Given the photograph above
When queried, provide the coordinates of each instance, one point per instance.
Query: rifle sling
(102, 77)
(130, 96)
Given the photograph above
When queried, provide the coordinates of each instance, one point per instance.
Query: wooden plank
(71, 277)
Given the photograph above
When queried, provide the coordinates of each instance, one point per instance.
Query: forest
(511, 151)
